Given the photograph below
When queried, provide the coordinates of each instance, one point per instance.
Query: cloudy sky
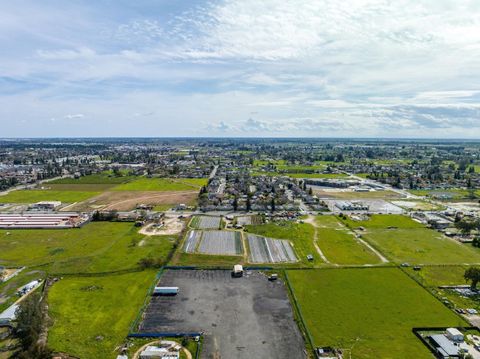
(276, 68)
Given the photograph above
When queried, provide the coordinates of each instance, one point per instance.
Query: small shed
(237, 270)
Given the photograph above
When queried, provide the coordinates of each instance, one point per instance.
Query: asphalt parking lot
(247, 317)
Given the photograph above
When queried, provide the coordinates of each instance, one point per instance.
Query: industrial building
(42, 220)
(449, 344)
(351, 206)
(45, 206)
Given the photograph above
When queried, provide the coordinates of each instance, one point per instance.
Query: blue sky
(317, 68)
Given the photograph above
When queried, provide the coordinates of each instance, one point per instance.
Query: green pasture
(369, 313)
(38, 195)
(92, 315)
(339, 245)
(403, 240)
(163, 184)
(96, 247)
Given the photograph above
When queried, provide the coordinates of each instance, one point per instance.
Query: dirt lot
(127, 200)
(171, 225)
(247, 317)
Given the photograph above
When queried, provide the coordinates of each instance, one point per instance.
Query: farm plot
(221, 242)
(192, 241)
(206, 222)
(268, 250)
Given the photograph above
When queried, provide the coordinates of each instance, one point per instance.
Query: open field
(37, 195)
(221, 243)
(269, 250)
(92, 315)
(162, 184)
(418, 205)
(253, 319)
(452, 194)
(106, 177)
(96, 247)
(349, 195)
(404, 240)
(78, 187)
(368, 312)
(435, 276)
(339, 245)
(127, 200)
(301, 236)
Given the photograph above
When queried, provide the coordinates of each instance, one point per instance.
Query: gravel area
(241, 318)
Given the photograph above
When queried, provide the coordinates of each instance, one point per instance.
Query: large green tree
(472, 274)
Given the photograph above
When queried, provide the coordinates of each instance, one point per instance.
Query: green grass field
(37, 195)
(454, 194)
(300, 234)
(163, 184)
(368, 312)
(92, 315)
(409, 241)
(106, 177)
(339, 245)
(96, 247)
(434, 276)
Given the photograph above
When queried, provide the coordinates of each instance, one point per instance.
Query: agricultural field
(300, 235)
(192, 240)
(368, 312)
(163, 184)
(403, 240)
(38, 195)
(221, 243)
(96, 247)
(339, 244)
(92, 315)
(268, 250)
(206, 222)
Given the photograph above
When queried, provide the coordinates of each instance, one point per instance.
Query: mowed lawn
(339, 245)
(37, 195)
(96, 247)
(370, 312)
(404, 240)
(92, 315)
(163, 184)
(301, 236)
